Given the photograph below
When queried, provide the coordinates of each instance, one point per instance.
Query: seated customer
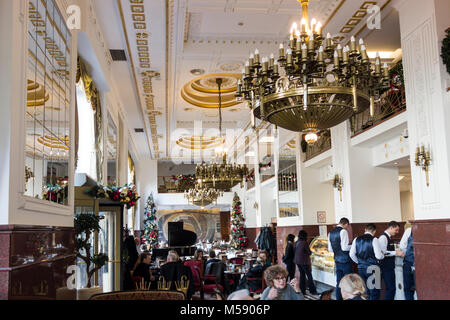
(212, 258)
(352, 287)
(254, 272)
(278, 288)
(142, 267)
(264, 255)
(174, 269)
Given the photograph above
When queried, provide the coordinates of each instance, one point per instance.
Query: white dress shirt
(344, 241)
(383, 241)
(404, 242)
(376, 248)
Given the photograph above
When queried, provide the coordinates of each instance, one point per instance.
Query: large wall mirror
(111, 152)
(48, 103)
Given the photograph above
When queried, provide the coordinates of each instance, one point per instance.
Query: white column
(423, 25)
(146, 183)
(370, 193)
(257, 182)
(340, 142)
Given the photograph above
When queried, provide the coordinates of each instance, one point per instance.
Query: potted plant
(85, 225)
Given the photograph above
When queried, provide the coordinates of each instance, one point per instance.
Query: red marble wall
(34, 261)
(432, 258)
(251, 233)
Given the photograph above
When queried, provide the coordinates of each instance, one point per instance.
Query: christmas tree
(238, 238)
(150, 236)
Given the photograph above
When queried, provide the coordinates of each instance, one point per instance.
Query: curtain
(93, 96)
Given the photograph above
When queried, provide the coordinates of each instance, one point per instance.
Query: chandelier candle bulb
(364, 56)
(313, 25)
(311, 42)
(353, 45)
(289, 57)
(329, 43)
(256, 56)
(251, 60)
(275, 68)
(336, 60)
(271, 61)
(377, 66)
(339, 51)
(292, 42)
(294, 29)
(319, 29)
(320, 56)
(298, 46)
(385, 71)
(304, 53)
(303, 23)
(346, 55)
(265, 63)
(247, 69)
(281, 51)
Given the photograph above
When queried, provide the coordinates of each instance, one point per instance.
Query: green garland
(445, 52)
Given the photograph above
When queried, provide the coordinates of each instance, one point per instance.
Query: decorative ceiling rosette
(200, 143)
(203, 92)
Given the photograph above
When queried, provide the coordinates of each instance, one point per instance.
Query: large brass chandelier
(221, 176)
(202, 196)
(323, 84)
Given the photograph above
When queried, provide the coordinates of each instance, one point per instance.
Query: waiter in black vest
(339, 244)
(387, 265)
(366, 252)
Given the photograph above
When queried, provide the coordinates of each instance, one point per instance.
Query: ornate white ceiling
(216, 36)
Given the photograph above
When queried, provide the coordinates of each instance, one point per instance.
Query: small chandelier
(323, 85)
(222, 176)
(202, 196)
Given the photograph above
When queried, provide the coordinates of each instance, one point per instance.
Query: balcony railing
(320, 146)
(287, 179)
(390, 104)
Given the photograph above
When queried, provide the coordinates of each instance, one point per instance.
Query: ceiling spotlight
(197, 72)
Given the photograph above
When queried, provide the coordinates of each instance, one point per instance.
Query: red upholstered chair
(238, 260)
(212, 281)
(196, 269)
(258, 290)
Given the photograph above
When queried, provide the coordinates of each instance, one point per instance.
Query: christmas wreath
(126, 194)
(445, 52)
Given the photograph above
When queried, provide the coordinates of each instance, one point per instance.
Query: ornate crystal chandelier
(222, 176)
(323, 84)
(202, 196)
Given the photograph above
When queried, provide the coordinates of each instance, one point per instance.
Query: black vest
(364, 250)
(335, 240)
(388, 261)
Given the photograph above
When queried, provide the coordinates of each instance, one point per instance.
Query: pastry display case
(321, 258)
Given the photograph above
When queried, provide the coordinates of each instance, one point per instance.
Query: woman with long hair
(303, 261)
(288, 257)
(142, 267)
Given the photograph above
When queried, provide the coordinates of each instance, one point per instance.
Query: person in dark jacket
(142, 268)
(303, 261)
(174, 269)
(288, 258)
(130, 257)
